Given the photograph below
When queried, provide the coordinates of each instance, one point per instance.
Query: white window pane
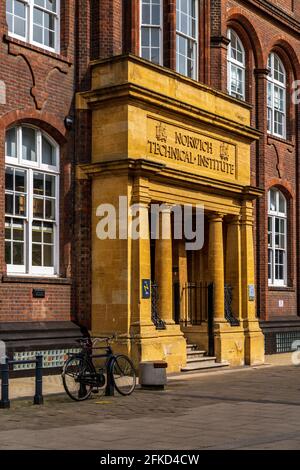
(40, 3)
(51, 5)
(38, 208)
(19, 26)
(48, 255)
(9, 6)
(156, 15)
(146, 53)
(11, 143)
(38, 16)
(272, 200)
(38, 184)
(146, 14)
(9, 179)
(49, 38)
(145, 36)
(37, 232)
(19, 9)
(29, 144)
(38, 34)
(282, 203)
(48, 153)
(36, 255)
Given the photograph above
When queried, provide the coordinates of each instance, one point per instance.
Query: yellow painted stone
(158, 136)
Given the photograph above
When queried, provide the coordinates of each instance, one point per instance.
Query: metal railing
(194, 303)
(158, 322)
(38, 397)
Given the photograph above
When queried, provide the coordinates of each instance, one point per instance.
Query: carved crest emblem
(161, 133)
(224, 151)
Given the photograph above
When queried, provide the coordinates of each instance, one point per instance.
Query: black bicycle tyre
(115, 365)
(85, 366)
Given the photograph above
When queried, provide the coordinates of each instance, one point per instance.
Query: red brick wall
(274, 161)
(40, 90)
(263, 26)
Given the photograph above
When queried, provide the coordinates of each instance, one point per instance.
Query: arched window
(236, 66)
(277, 238)
(31, 202)
(187, 37)
(34, 21)
(151, 30)
(276, 96)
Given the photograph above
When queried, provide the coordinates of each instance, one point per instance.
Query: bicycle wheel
(76, 377)
(123, 375)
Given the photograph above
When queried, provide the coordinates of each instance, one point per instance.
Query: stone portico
(161, 138)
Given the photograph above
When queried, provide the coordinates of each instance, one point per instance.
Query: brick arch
(44, 120)
(283, 185)
(287, 54)
(247, 33)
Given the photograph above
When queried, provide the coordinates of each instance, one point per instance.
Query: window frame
(272, 83)
(239, 65)
(27, 269)
(195, 41)
(28, 38)
(151, 26)
(274, 215)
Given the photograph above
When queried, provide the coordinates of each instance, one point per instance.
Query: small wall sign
(251, 292)
(146, 288)
(38, 293)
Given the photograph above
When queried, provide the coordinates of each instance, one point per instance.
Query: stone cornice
(275, 12)
(129, 92)
(163, 173)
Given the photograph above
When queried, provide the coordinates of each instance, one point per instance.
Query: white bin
(153, 374)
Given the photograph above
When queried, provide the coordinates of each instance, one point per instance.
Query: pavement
(250, 408)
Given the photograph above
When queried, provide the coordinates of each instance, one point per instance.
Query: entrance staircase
(198, 360)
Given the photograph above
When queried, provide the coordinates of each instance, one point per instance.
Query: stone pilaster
(233, 264)
(216, 264)
(183, 277)
(254, 339)
(163, 266)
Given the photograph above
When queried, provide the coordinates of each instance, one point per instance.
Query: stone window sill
(35, 280)
(26, 45)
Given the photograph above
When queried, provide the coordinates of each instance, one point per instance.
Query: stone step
(196, 353)
(202, 360)
(191, 347)
(203, 366)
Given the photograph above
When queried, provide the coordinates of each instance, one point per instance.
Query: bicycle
(80, 378)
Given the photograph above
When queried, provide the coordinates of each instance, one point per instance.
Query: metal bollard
(38, 397)
(4, 402)
(110, 388)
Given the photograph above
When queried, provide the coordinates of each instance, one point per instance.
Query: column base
(160, 345)
(254, 344)
(229, 344)
(239, 345)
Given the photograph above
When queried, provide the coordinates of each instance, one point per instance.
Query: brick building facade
(263, 27)
(42, 69)
(37, 95)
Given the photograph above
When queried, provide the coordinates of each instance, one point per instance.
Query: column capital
(235, 220)
(216, 216)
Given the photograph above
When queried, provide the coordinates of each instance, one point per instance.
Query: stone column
(163, 266)
(233, 264)
(254, 339)
(183, 277)
(141, 269)
(216, 264)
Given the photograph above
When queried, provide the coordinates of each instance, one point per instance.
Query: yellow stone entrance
(161, 138)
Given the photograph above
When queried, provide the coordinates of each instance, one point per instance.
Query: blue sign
(146, 289)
